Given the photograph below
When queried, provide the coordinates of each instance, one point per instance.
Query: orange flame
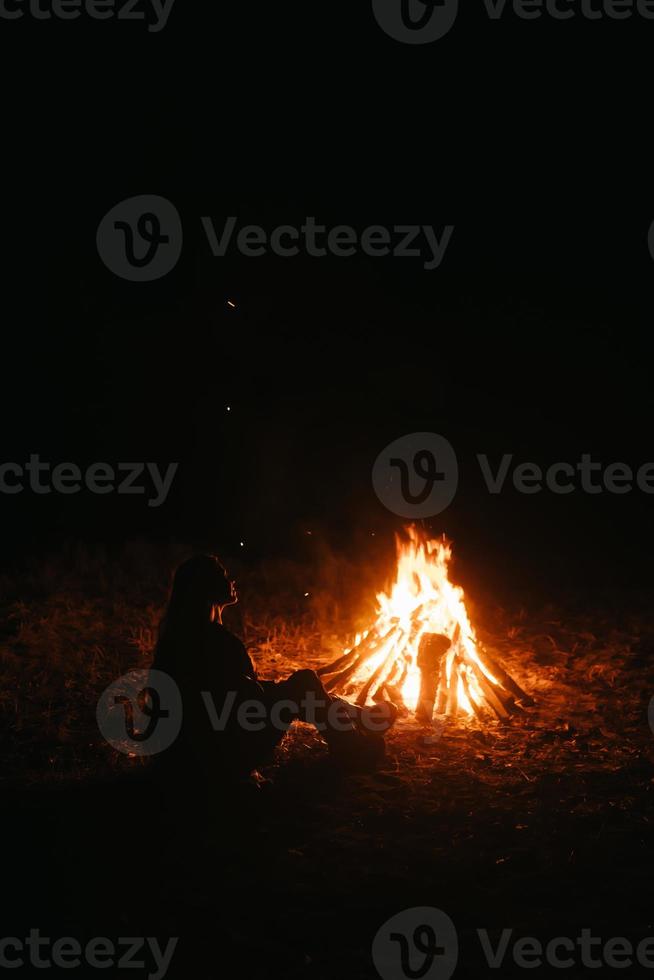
(423, 600)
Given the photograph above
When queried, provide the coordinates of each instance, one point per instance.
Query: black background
(532, 337)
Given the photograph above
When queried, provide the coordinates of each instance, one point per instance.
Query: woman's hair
(199, 583)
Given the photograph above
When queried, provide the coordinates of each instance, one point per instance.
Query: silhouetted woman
(216, 677)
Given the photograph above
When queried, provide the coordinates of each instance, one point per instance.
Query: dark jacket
(215, 676)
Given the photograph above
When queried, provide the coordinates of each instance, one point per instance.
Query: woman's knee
(304, 682)
(306, 676)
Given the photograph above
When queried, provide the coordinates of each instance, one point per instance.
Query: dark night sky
(533, 337)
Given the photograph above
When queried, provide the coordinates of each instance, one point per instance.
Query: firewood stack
(454, 677)
(421, 653)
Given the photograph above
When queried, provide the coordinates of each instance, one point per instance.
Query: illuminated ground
(543, 826)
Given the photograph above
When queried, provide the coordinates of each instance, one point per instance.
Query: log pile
(421, 653)
(454, 677)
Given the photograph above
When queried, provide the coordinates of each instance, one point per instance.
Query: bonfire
(422, 652)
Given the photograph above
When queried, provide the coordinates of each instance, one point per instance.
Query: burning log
(466, 690)
(363, 653)
(351, 655)
(396, 673)
(376, 679)
(453, 693)
(393, 687)
(490, 692)
(339, 664)
(502, 675)
(393, 694)
(441, 704)
(432, 649)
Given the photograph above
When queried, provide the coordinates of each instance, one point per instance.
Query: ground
(543, 826)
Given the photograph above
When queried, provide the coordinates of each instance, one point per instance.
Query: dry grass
(543, 825)
(72, 625)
